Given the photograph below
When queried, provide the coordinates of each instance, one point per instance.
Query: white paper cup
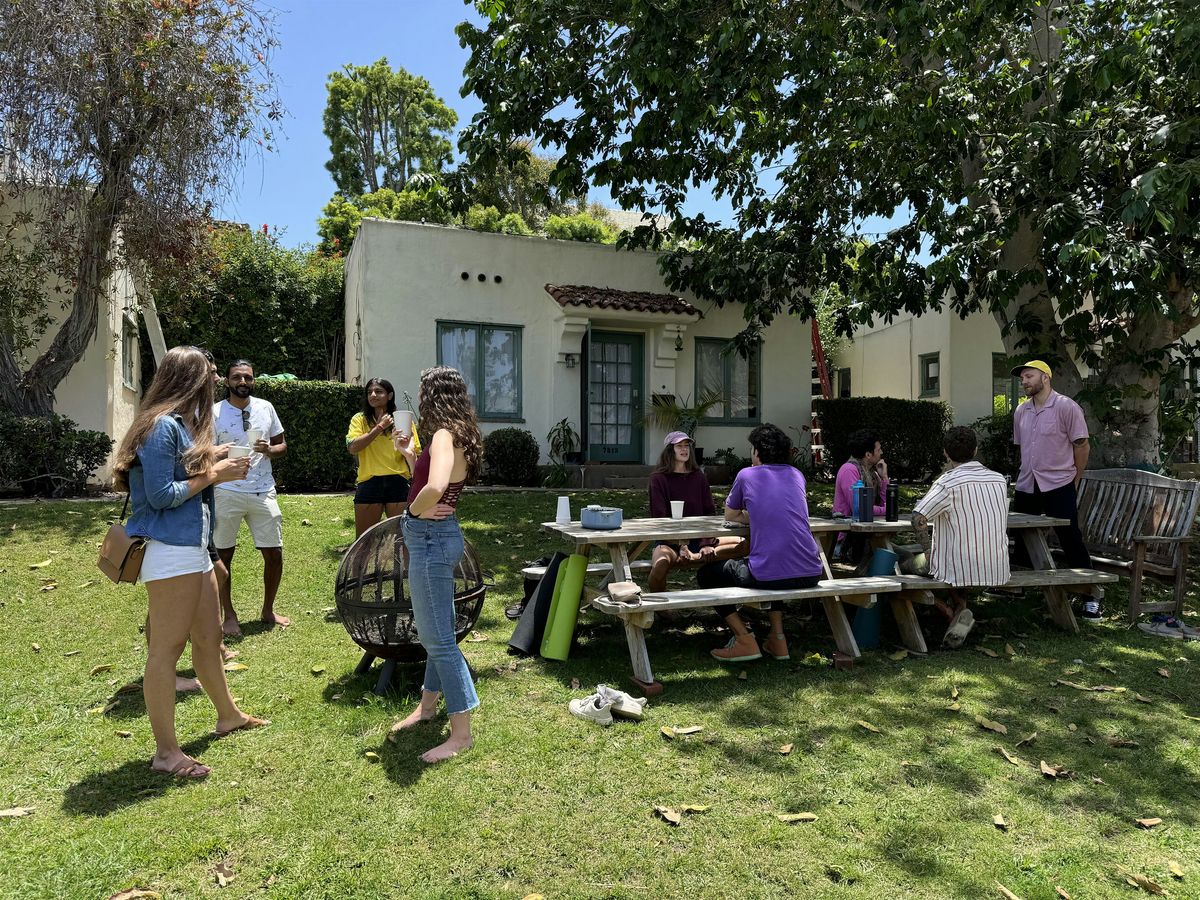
(676, 509)
(564, 510)
(238, 452)
(253, 436)
(402, 421)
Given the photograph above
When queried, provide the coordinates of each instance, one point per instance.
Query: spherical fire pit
(375, 605)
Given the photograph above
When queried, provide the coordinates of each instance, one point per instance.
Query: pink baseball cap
(675, 437)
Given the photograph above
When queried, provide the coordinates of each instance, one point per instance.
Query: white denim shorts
(260, 511)
(168, 561)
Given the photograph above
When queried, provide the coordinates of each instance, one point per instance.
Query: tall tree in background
(517, 182)
(383, 126)
(120, 121)
(1042, 161)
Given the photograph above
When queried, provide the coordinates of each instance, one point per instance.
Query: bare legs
(367, 514)
(272, 575)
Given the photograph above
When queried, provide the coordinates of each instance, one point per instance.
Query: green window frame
(929, 370)
(745, 408)
(497, 369)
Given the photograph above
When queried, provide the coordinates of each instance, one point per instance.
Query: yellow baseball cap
(1033, 364)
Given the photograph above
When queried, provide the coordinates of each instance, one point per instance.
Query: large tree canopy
(1040, 162)
(120, 120)
(384, 126)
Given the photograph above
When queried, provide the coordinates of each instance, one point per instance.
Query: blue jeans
(434, 549)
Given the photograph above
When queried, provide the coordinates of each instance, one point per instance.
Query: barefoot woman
(454, 451)
(167, 462)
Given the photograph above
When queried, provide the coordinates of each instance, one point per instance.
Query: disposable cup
(238, 452)
(402, 420)
(564, 510)
(253, 436)
(676, 509)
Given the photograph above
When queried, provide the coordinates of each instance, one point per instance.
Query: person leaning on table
(770, 497)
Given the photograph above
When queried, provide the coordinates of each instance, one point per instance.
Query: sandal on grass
(1162, 629)
(251, 722)
(960, 627)
(188, 769)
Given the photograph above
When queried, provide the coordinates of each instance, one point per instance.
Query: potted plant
(563, 439)
(673, 414)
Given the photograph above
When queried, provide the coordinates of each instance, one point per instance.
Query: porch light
(678, 341)
(570, 360)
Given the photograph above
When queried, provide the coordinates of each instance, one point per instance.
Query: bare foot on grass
(245, 723)
(186, 685)
(448, 750)
(418, 716)
(232, 627)
(180, 765)
(273, 619)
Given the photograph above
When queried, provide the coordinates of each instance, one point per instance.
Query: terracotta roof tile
(611, 298)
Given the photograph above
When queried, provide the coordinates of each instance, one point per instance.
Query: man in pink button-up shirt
(1053, 437)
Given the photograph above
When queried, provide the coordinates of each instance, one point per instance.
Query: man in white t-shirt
(253, 498)
(968, 509)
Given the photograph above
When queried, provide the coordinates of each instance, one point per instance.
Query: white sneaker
(622, 703)
(592, 709)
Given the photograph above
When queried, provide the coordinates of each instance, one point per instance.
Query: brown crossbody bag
(121, 555)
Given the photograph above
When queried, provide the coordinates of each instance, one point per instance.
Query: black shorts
(382, 489)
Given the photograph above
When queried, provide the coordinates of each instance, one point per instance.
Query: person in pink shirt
(865, 464)
(1053, 437)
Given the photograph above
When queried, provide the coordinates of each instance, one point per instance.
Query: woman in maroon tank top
(452, 457)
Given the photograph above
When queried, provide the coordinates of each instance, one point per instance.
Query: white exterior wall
(403, 277)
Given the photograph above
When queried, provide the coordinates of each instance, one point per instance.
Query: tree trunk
(33, 393)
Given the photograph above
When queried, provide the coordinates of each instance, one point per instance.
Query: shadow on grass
(57, 521)
(104, 793)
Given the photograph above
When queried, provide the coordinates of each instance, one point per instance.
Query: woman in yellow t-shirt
(384, 469)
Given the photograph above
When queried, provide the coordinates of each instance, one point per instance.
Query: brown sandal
(251, 722)
(188, 769)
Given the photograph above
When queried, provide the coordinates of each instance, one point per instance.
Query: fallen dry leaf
(1148, 823)
(1028, 739)
(236, 667)
(954, 692)
(688, 729)
(1164, 672)
(371, 756)
(317, 670)
(306, 522)
(96, 670)
(674, 815)
(136, 894)
(103, 710)
(533, 896)
(1072, 727)
(743, 675)
(1140, 699)
(72, 653)
(668, 732)
(224, 874)
(1053, 771)
(1174, 869)
(50, 585)
(40, 565)
(17, 812)
(954, 707)
(1008, 649)
(793, 818)
(1142, 881)
(990, 725)
(998, 821)
(37, 648)
(868, 726)
(898, 655)
(1062, 893)
(785, 749)
(123, 734)
(1006, 893)
(987, 651)
(694, 808)
(574, 684)
(1122, 743)
(476, 637)
(1015, 760)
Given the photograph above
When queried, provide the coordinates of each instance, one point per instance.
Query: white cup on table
(676, 509)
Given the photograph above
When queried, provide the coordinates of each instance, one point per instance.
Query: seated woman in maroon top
(677, 477)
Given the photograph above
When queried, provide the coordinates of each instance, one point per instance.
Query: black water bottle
(892, 502)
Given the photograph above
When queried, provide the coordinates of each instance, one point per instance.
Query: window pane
(710, 372)
(743, 400)
(500, 366)
(459, 351)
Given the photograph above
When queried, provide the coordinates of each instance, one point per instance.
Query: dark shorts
(382, 489)
(736, 573)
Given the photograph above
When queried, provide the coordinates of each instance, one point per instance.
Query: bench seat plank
(845, 588)
(1022, 578)
(597, 568)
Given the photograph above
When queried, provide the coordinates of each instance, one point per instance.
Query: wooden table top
(679, 530)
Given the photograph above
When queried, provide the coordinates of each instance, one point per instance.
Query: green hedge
(510, 456)
(49, 456)
(315, 416)
(910, 430)
(996, 449)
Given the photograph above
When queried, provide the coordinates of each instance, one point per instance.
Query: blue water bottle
(856, 493)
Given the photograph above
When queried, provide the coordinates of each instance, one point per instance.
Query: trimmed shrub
(579, 227)
(49, 457)
(315, 416)
(510, 456)
(996, 449)
(910, 430)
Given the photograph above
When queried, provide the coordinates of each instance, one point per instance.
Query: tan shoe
(775, 646)
(739, 649)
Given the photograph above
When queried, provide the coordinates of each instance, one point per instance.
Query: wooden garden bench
(596, 568)
(1139, 524)
(832, 594)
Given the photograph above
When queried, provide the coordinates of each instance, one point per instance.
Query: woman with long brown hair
(167, 462)
(453, 456)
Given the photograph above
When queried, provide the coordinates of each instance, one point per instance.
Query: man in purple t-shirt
(770, 497)
(1053, 437)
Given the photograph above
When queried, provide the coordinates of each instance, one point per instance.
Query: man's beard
(241, 390)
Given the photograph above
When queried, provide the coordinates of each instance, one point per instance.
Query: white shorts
(261, 512)
(168, 561)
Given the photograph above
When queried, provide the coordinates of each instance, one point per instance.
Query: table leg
(620, 562)
(1057, 600)
(835, 612)
(643, 675)
(906, 621)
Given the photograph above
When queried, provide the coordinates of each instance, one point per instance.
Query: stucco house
(545, 330)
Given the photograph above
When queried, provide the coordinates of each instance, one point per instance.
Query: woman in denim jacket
(452, 456)
(168, 464)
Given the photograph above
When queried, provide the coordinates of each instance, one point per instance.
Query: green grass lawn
(548, 804)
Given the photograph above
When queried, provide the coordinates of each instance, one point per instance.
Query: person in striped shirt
(968, 507)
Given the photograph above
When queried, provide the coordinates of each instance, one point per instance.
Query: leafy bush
(510, 456)
(731, 459)
(339, 221)
(49, 456)
(579, 227)
(996, 449)
(488, 218)
(315, 415)
(910, 430)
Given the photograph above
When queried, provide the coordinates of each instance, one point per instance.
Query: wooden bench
(832, 594)
(598, 568)
(1057, 584)
(1139, 524)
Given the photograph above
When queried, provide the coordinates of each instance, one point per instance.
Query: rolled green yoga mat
(558, 581)
(564, 609)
